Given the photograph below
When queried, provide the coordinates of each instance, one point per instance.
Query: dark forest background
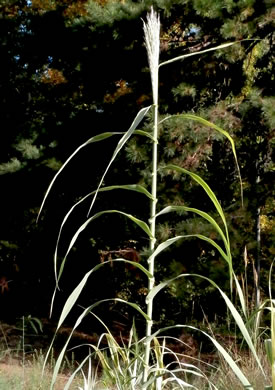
(72, 69)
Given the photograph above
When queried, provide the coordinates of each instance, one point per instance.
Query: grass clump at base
(14, 375)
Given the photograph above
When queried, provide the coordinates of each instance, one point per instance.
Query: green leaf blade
(139, 117)
(96, 138)
(182, 57)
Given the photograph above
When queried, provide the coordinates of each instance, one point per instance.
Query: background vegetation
(68, 71)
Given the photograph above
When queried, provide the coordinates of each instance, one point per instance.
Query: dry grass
(15, 376)
(224, 379)
(23, 372)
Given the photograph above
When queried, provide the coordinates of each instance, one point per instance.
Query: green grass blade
(237, 371)
(273, 343)
(47, 357)
(219, 130)
(182, 57)
(143, 225)
(141, 114)
(214, 200)
(60, 232)
(96, 138)
(203, 214)
(69, 304)
(62, 353)
(145, 134)
(204, 185)
(171, 241)
(132, 187)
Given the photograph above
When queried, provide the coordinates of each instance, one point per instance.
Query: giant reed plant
(131, 366)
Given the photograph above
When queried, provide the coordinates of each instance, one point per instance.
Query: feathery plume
(151, 34)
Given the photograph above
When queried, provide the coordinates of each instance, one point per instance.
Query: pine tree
(68, 71)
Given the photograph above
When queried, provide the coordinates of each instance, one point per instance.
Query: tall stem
(152, 31)
(152, 247)
(258, 240)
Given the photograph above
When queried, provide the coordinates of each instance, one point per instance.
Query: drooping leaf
(143, 225)
(240, 295)
(145, 134)
(141, 114)
(219, 130)
(69, 304)
(161, 247)
(131, 187)
(96, 138)
(211, 196)
(203, 214)
(204, 185)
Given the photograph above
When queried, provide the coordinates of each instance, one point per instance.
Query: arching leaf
(206, 188)
(219, 130)
(161, 247)
(145, 134)
(131, 187)
(69, 304)
(143, 225)
(96, 138)
(120, 145)
(203, 214)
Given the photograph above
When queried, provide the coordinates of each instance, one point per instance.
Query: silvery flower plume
(151, 34)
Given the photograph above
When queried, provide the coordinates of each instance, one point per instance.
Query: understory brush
(93, 376)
